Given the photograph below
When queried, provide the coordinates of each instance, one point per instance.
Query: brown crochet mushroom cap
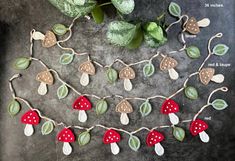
(192, 26)
(45, 77)
(87, 67)
(49, 40)
(168, 63)
(127, 73)
(206, 75)
(124, 107)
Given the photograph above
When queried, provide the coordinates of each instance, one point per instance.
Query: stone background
(17, 18)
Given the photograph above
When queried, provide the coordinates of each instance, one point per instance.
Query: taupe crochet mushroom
(87, 68)
(169, 64)
(207, 74)
(124, 107)
(44, 77)
(192, 26)
(49, 40)
(127, 74)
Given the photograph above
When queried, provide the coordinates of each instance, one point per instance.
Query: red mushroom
(170, 107)
(30, 118)
(66, 136)
(82, 104)
(198, 127)
(153, 139)
(112, 137)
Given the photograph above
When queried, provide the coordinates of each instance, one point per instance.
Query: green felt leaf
(13, 107)
(76, 2)
(193, 52)
(178, 133)
(219, 104)
(47, 128)
(101, 107)
(124, 6)
(120, 33)
(148, 69)
(66, 58)
(191, 92)
(112, 75)
(84, 138)
(145, 108)
(137, 39)
(154, 30)
(21, 63)
(174, 9)
(59, 29)
(72, 10)
(220, 49)
(134, 142)
(98, 15)
(62, 91)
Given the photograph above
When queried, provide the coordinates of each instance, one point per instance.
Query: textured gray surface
(18, 18)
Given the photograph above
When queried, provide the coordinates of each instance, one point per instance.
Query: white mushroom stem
(124, 119)
(127, 85)
(84, 80)
(82, 116)
(204, 137)
(42, 89)
(38, 36)
(204, 22)
(67, 149)
(114, 148)
(173, 74)
(159, 149)
(28, 130)
(219, 78)
(174, 118)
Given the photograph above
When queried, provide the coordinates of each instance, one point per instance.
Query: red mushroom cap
(198, 126)
(82, 103)
(30, 117)
(111, 136)
(66, 135)
(154, 137)
(169, 106)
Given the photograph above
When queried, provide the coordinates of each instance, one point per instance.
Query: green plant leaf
(137, 39)
(134, 142)
(124, 6)
(47, 128)
(21, 63)
(191, 92)
(153, 43)
(73, 10)
(66, 58)
(219, 104)
(174, 9)
(98, 15)
(59, 29)
(13, 107)
(77, 2)
(84, 138)
(178, 133)
(154, 30)
(62, 91)
(145, 108)
(148, 69)
(193, 52)
(220, 49)
(120, 33)
(112, 75)
(101, 107)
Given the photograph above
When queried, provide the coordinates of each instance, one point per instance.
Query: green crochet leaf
(124, 6)
(120, 33)
(47, 128)
(73, 10)
(134, 143)
(13, 107)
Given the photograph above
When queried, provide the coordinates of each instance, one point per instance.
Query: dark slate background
(17, 18)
